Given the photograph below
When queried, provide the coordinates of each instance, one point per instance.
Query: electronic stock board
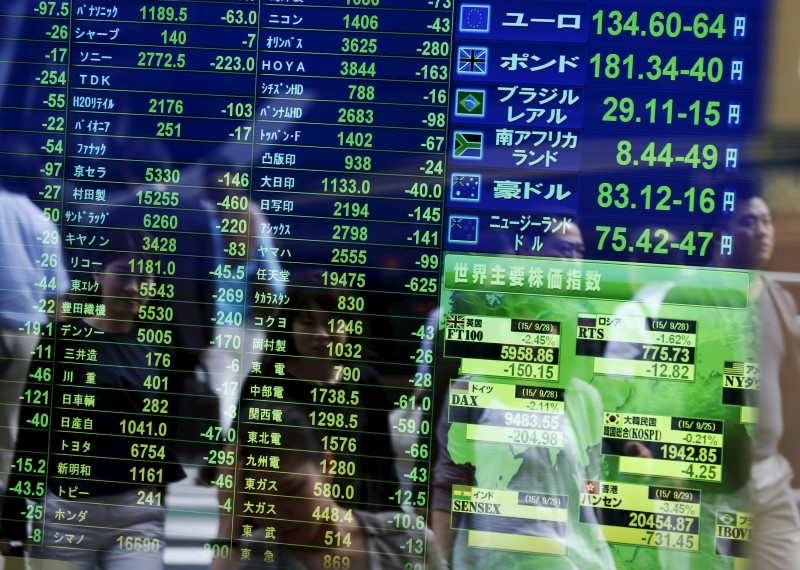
(517, 214)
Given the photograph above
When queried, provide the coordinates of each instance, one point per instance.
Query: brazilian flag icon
(470, 103)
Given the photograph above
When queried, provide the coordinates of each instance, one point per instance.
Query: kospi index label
(666, 446)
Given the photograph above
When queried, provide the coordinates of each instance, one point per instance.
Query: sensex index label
(511, 520)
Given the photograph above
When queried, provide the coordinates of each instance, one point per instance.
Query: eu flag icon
(474, 18)
(463, 229)
(465, 187)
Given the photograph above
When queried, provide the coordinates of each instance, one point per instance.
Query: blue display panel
(556, 112)
(382, 268)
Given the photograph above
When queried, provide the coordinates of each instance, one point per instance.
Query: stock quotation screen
(378, 284)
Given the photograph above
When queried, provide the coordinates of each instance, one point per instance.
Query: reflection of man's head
(566, 244)
(753, 234)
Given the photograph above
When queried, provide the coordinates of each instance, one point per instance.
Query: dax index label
(509, 413)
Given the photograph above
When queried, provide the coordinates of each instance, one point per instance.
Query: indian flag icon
(462, 493)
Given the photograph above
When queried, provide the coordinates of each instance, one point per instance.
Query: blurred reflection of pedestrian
(566, 243)
(647, 299)
(183, 252)
(33, 270)
(308, 528)
(517, 467)
(122, 444)
(776, 458)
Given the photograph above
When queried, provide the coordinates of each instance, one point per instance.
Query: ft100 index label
(740, 384)
(638, 346)
(508, 413)
(511, 520)
(496, 346)
(675, 447)
(642, 515)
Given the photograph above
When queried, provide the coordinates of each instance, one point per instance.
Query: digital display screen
(378, 284)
